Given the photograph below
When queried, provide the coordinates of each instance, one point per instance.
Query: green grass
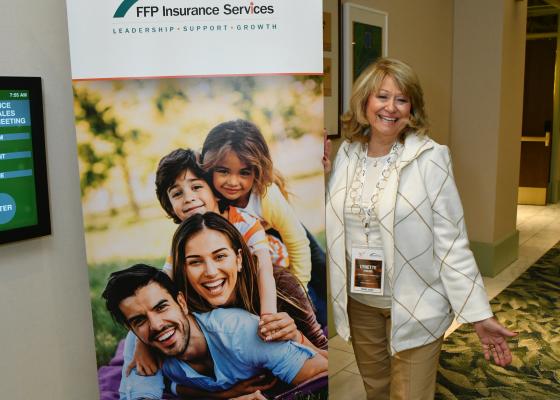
(108, 333)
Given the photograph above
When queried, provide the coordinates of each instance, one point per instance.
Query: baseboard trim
(554, 192)
(492, 258)
(531, 195)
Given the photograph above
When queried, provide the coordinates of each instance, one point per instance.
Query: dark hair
(169, 167)
(125, 283)
(246, 289)
(246, 140)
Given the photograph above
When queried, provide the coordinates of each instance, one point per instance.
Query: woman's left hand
(278, 326)
(493, 337)
(326, 153)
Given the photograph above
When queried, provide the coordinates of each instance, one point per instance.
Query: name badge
(367, 271)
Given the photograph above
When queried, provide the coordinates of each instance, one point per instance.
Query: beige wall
(46, 332)
(476, 110)
(421, 34)
(488, 53)
(511, 113)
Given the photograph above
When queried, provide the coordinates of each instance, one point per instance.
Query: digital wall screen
(24, 200)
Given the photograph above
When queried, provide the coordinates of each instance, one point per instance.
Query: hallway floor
(539, 230)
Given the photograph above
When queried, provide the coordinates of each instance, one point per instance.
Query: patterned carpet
(530, 306)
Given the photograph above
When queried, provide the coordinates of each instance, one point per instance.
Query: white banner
(119, 39)
(157, 85)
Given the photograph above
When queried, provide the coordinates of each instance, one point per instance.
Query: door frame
(553, 190)
(554, 185)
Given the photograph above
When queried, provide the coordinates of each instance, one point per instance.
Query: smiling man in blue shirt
(210, 351)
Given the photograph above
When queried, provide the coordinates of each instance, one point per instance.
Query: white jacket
(430, 267)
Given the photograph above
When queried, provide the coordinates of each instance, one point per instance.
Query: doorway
(538, 176)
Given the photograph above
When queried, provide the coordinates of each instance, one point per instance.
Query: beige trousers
(408, 375)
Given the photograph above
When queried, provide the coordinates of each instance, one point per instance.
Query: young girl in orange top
(238, 158)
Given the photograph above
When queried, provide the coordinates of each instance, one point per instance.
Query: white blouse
(355, 234)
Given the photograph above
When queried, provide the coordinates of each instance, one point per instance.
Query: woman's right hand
(144, 361)
(278, 326)
(493, 337)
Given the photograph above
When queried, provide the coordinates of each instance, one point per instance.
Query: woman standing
(399, 257)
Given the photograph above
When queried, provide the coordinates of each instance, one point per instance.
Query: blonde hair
(246, 141)
(355, 123)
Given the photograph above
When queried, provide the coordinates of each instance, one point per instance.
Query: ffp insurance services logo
(123, 8)
(212, 10)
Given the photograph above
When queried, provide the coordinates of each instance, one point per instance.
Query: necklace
(356, 193)
(375, 161)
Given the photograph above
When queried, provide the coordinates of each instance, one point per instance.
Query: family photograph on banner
(203, 212)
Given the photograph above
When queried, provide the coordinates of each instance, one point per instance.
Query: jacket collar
(414, 145)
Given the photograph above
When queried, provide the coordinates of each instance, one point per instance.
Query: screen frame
(43, 225)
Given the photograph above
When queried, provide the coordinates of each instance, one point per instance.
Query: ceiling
(542, 17)
(543, 7)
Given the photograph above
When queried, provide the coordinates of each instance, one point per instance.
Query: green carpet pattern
(530, 306)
